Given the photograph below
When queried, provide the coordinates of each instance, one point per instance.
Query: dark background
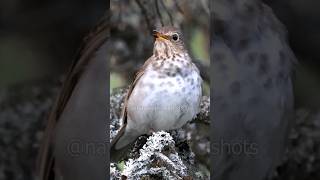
(39, 38)
(302, 20)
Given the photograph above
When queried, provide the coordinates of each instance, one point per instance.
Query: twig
(178, 7)
(158, 12)
(145, 14)
(205, 7)
(167, 11)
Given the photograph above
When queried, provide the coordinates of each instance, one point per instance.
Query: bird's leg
(151, 130)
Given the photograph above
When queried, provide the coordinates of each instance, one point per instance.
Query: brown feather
(100, 34)
(116, 155)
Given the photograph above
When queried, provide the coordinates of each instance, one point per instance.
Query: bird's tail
(116, 154)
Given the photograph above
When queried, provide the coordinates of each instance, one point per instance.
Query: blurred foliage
(199, 46)
(116, 81)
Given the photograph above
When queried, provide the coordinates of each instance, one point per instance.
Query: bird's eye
(175, 37)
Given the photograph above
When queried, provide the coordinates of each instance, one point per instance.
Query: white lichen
(157, 157)
(114, 172)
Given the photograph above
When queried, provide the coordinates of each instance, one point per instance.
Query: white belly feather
(167, 103)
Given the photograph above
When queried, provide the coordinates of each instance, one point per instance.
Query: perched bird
(165, 94)
(78, 118)
(252, 91)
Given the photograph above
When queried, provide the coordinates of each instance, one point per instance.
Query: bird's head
(168, 41)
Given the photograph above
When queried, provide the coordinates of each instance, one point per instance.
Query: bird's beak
(159, 36)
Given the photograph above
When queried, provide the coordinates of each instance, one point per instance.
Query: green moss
(121, 166)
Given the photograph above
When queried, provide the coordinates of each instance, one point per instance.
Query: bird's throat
(163, 49)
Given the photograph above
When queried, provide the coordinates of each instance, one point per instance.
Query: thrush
(164, 95)
(253, 102)
(78, 117)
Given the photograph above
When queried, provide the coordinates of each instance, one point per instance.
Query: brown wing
(136, 79)
(116, 154)
(92, 43)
